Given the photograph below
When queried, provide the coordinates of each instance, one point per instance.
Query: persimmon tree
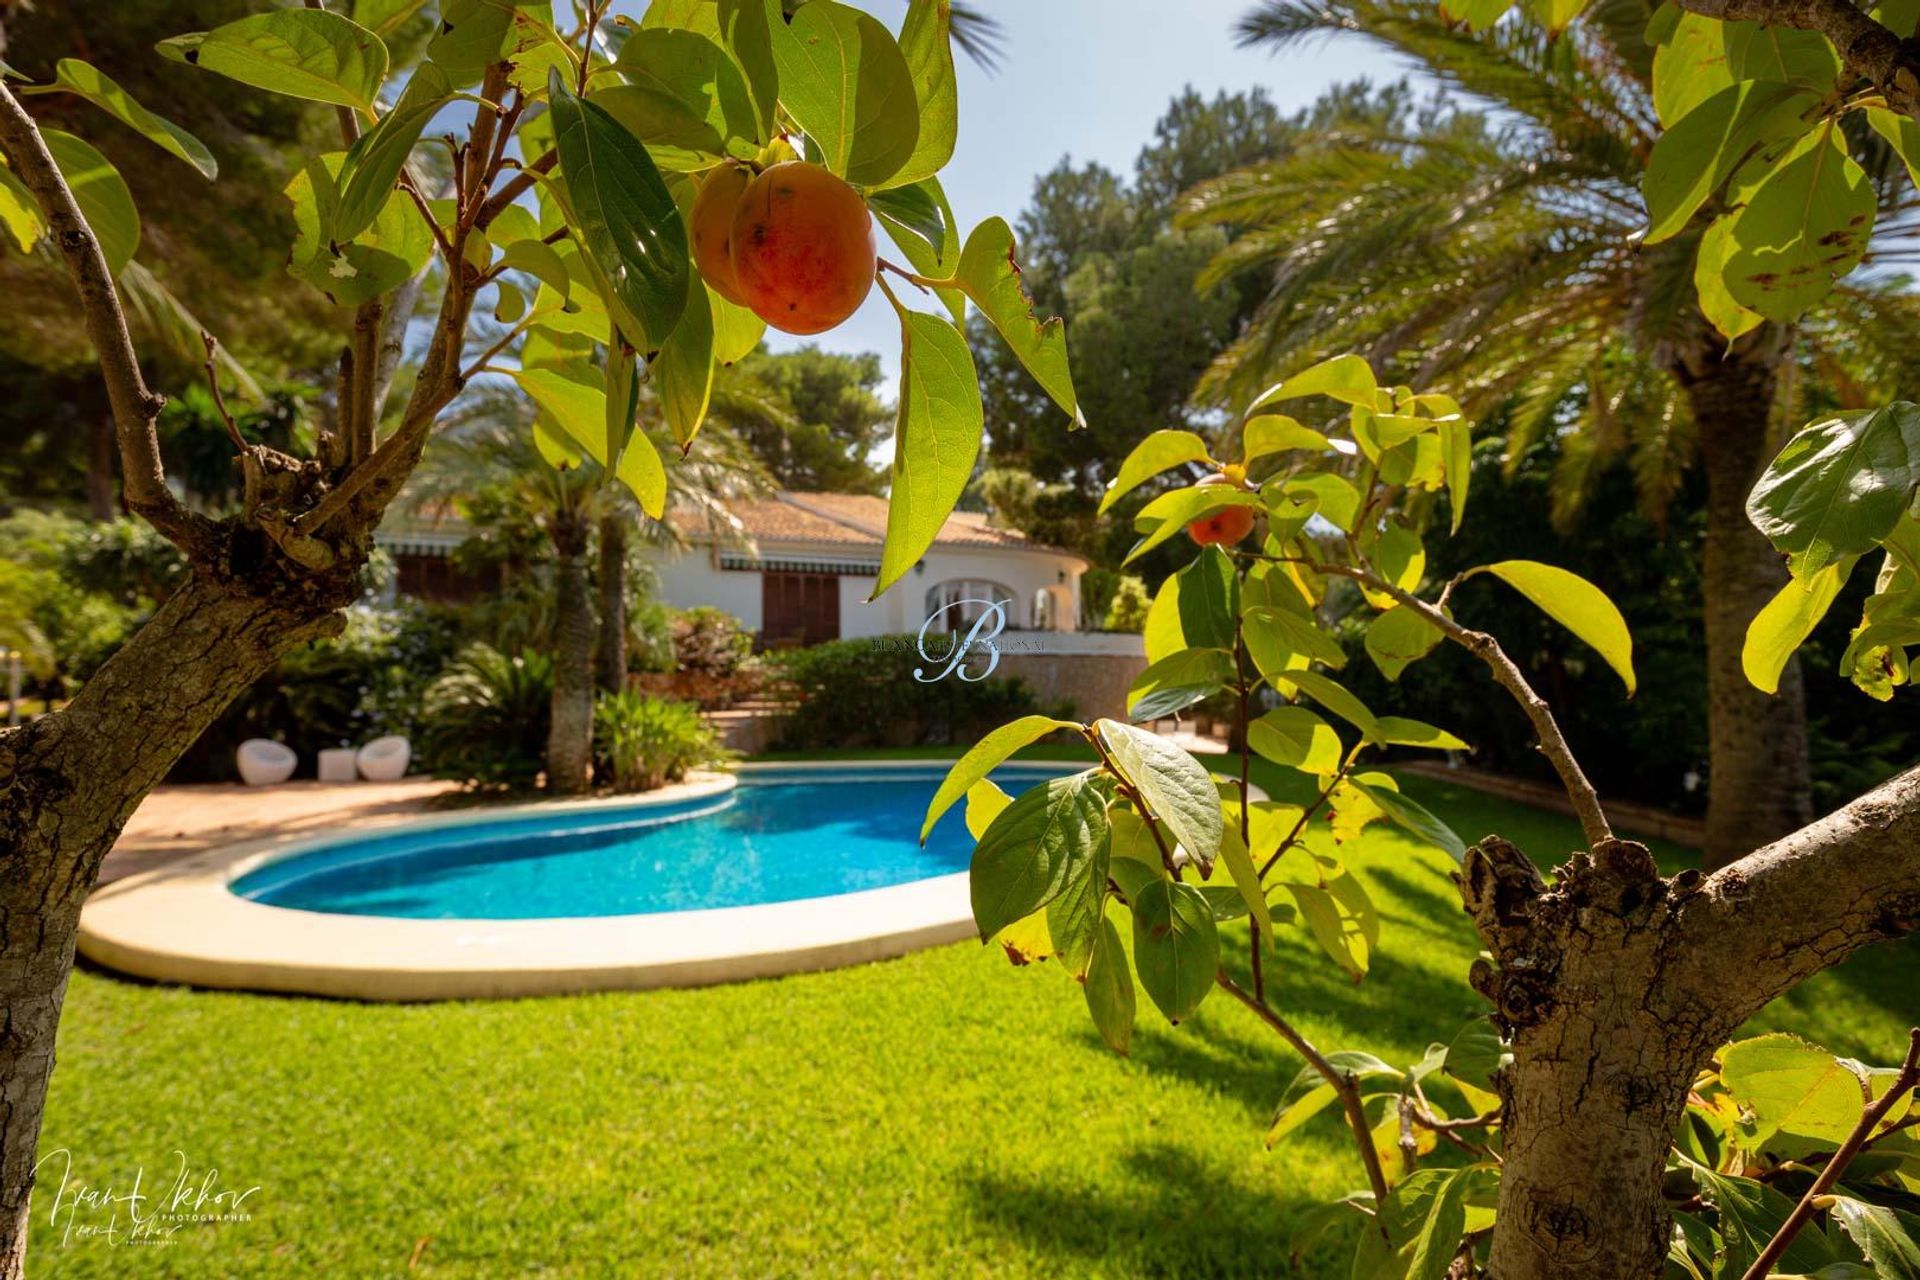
(1598, 1124)
(576, 149)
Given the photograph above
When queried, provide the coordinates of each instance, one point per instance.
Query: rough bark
(1760, 786)
(1616, 986)
(69, 782)
(610, 655)
(570, 740)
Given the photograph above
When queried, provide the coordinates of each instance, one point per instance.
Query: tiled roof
(847, 519)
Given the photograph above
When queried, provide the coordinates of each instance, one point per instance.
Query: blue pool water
(776, 838)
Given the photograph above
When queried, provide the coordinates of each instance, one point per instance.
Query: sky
(1086, 79)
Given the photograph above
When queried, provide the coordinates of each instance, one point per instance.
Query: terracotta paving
(180, 820)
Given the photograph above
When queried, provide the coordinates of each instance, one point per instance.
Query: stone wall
(1096, 683)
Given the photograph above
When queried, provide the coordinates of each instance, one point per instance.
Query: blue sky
(1087, 79)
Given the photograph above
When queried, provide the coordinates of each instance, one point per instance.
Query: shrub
(1127, 610)
(854, 693)
(486, 718)
(710, 641)
(649, 742)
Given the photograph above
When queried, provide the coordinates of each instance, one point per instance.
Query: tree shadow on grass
(1170, 1214)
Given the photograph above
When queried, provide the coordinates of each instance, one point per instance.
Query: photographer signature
(137, 1213)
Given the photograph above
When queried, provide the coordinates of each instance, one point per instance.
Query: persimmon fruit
(1223, 528)
(710, 222)
(803, 249)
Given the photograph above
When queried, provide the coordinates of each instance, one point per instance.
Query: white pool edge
(182, 923)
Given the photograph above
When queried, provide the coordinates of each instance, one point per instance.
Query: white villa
(800, 567)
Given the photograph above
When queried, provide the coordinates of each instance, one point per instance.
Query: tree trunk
(610, 658)
(570, 740)
(102, 502)
(1760, 785)
(69, 782)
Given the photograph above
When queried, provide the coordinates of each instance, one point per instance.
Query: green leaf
(846, 83)
(1271, 433)
(1717, 247)
(1689, 68)
(1399, 637)
(379, 259)
(1575, 604)
(1075, 917)
(1332, 695)
(102, 194)
(1160, 451)
(625, 218)
(19, 211)
(1347, 379)
(475, 34)
(1180, 792)
(384, 17)
(1297, 738)
(929, 54)
(1275, 638)
(920, 222)
(374, 161)
(1750, 1213)
(1780, 53)
(685, 97)
(1787, 620)
(300, 53)
(540, 261)
(97, 87)
(1806, 225)
(1801, 1097)
(1445, 1222)
(1456, 439)
(1034, 848)
(1334, 497)
(1340, 915)
(936, 437)
(1109, 989)
(1176, 946)
(744, 29)
(1414, 818)
(1694, 158)
(1209, 597)
(683, 370)
(622, 399)
(1302, 1109)
(1177, 681)
(1402, 732)
(983, 757)
(1476, 1054)
(1840, 485)
(1902, 134)
(1162, 635)
(1889, 1238)
(989, 275)
(736, 330)
(1246, 877)
(985, 802)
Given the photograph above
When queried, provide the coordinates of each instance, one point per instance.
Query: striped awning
(776, 564)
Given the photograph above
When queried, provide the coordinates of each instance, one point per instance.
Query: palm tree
(491, 444)
(1499, 253)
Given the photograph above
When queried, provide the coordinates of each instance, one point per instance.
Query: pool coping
(181, 923)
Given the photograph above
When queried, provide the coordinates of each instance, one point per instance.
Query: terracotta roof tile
(847, 519)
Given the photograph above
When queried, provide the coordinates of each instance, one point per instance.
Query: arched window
(963, 600)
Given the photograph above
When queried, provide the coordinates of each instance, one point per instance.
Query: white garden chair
(264, 763)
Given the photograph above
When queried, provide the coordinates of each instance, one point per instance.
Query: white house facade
(799, 567)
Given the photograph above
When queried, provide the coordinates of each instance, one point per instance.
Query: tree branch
(1803, 903)
(1869, 49)
(134, 406)
(1506, 673)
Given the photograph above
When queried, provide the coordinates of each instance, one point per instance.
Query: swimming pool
(777, 869)
(780, 836)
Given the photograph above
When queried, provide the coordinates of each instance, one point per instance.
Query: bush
(486, 718)
(856, 693)
(649, 742)
(1127, 610)
(710, 641)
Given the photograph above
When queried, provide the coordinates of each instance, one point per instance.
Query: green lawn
(942, 1115)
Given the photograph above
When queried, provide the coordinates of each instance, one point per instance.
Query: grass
(940, 1115)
